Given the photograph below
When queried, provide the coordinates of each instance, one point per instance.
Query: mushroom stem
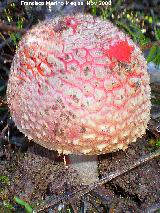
(86, 166)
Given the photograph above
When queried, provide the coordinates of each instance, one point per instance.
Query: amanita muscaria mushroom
(79, 85)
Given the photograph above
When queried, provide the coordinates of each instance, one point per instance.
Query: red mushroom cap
(79, 85)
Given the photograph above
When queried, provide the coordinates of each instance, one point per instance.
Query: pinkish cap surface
(79, 85)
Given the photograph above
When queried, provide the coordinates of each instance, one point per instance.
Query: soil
(139, 187)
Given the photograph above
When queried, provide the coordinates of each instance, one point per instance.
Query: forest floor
(34, 174)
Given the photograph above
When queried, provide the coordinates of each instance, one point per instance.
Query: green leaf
(150, 19)
(19, 201)
(158, 143)
(13, 37)
(157, 33)
(151, 53)
(8, 206)
(125, 27)
(94, 10)
(156, 60)
(114, 8)
(27, 207)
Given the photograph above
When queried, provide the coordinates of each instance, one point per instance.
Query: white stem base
(86, 166)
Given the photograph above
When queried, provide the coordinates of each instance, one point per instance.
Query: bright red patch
(121, 51)
(72, 22)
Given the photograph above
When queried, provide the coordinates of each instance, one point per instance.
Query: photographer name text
(74, 3)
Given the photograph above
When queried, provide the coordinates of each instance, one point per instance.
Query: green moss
(158, 144)
(154, 143)
(8, 207)
(4, 179)
(156, 101)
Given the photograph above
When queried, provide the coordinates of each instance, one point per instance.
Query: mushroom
(80, 86)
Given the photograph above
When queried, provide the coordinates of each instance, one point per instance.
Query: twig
(102, 194)
(153, 208)
(92, 200)
(108, 177)
(155, 88)
(4, 118)
(74, 207)
(3, 131)
(6, 28)
(7, 41)
(5, 3)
